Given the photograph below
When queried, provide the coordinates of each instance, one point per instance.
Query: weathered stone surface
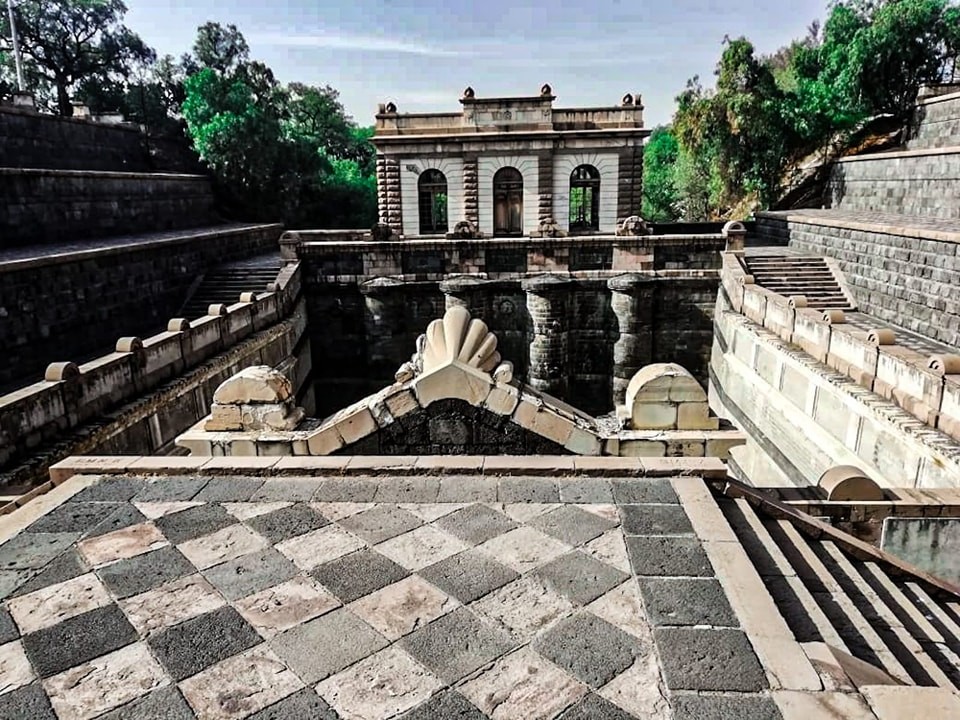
(403, 606)
(259, 384)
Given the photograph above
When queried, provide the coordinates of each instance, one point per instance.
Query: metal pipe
(16, 47)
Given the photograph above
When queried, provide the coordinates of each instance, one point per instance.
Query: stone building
(510, 167)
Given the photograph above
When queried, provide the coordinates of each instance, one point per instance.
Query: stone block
(503, 399)
(223, 418)
(654, 416)
(695, 416)
(356, 424)
(584, 442)
(401, 403)
(452, 382)
(642, 448)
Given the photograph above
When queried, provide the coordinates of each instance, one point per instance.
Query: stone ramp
(793, 275)
(224, 283)
(865, 609)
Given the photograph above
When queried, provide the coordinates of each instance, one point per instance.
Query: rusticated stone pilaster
(471, 191)
(630, 183)
(545, 187)
(389, 204)
(632, 300)
(548, 299)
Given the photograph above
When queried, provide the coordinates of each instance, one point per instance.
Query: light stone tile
(524, 607)
(609, 548)
(428, 512)
(121, 544)
(154, 510)
(381, 686)
(240, 686)
(637, 689)
(622, 608)
(403, 607)
(523, 685)
(15, 670)
(56, 603)
(892, 702)
(111, 680)
(421, 547)
(170, 604)
(247, 510)
(323, 545)
(796, 705)
(608, 512)
(339, 510)
(523, 548)
(223, 545)
(283, 606)
(521, 512)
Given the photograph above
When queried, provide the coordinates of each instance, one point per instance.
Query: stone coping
(127, 243)
(940, 98)
(34, 113)
(101, 174)
(463, 134)
(894, 154)
(420, 243)
(890, 225)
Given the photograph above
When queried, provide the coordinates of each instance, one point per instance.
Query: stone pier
(383, 319)
(632, 299)
(547, 300)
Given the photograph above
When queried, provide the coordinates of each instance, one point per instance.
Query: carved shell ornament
(457, 338)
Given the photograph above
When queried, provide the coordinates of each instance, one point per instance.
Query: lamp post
(16, 47)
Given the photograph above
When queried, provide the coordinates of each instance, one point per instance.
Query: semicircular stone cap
(656, 394)
(734, 226)
(848, 482)
(129, 344)
(178, 325)
(59, 371)
(255, 385)
(217, 310)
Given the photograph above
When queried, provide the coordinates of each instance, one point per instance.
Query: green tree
(68, 41)
(223, 49)
(661, 199)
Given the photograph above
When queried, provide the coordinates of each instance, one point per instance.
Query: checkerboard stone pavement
(369, 598)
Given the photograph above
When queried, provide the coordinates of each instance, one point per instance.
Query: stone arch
(432, 201)
(584, 198)
(508, 201)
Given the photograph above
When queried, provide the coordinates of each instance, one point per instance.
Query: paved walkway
(891, 221)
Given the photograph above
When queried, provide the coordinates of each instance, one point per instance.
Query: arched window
(584, 198)
(432, 187)
(508, 202)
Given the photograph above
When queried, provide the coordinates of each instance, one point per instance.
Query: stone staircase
(798, 275)
(225, 283)
(853, 605)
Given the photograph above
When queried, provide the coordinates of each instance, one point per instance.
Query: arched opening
(584, 199)
(432, 187)
(508, 202)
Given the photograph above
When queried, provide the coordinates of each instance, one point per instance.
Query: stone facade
(528, 134)
(935, 123)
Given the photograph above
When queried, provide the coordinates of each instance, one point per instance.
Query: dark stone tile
(33, 550)
(11, 580)
(586, 490)
(594, 707)
(66, 567)
(199, 642)
(27, 703)
(686, 601)
(287, 490)
(138, 574)
(229, 489)
(579, 577)
(456, 644)
(74, 517)
(589, 648)
(467, 489)
(468, 575)
(8, 628)
(670, 556)
(644, 490)
(407, 490)
(655, 520)
(704, 659)
(111, 488)
(448, 705)
(305, 704)
(357, 574)
(476, 524)
(78, 639)
(287, 522)
(326, 645)
(166, 703)
(346, 490)
(572, 525)
(171, 489)
(693, 706)
(532, 490)
(194, 522)
(381, 523)
(248, 574)
(124, 516)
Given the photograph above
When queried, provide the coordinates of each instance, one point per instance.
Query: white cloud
(365, 43)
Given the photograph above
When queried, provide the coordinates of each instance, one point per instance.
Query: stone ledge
(823, 219)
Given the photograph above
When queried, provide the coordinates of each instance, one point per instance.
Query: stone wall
(139, 398)
(64, 205)
(906, 280)
(935, 123)
(69, 306)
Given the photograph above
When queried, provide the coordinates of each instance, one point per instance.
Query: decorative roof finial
(546, 90)
(468, 93)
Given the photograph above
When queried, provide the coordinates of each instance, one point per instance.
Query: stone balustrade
(870, 358)
(71, 395)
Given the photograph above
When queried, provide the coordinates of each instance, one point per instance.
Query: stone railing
(71, 395)
(928, 387)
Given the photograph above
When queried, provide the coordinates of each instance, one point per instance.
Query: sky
(421, 55)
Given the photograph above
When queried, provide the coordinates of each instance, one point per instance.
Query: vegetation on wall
(734, 142)
(278, 152)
